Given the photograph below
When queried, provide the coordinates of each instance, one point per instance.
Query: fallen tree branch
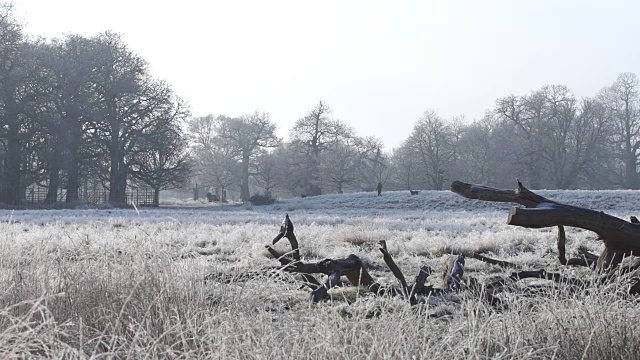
(621, 238)
(394, 267)
(501, 263)
(286, 230)
(521, 196)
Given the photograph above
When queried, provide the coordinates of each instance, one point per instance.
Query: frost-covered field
(131, 284)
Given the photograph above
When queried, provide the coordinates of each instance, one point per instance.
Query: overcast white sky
(379, 65)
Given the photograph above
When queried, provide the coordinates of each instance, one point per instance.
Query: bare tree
(340, 164)
(266, 174)
(405, 165)
(14, 100)
(561, 132)
(214, 161)
(623, 110)
(478, 146)
(431, 140)
(129, 99)
(160, 160)
(313, 134)
(245, 136)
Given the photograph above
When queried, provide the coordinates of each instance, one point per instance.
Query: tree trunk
(631, 175)
(13, 175)
(73, 168)
(54, 184)
(156, 197)
(117, 176)
(244, 182)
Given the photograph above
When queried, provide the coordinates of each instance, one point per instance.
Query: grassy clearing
(163, 286)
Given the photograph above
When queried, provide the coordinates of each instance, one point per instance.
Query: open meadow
(189, 282)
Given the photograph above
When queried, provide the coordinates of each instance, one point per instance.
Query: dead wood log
(351, 267)
(521, 195)
(394, 267)
(621, 238)
(538, 274)
(321, 292)
(418, 286)
(286, 230)
(453, 272)
(585, 259)
(500, 263)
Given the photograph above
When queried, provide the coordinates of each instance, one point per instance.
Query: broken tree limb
(501, 263)
(521, 195)
(286, 230)
(321, 292)
(562, 239)
(585, 258)
(538, 274)
(620, 237)
(394, 267)
(453, 272)
(418, 286)
(351, 267)
(286, 262)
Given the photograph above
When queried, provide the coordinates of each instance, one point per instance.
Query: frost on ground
(188, 282)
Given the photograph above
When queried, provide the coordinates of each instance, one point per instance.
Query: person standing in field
(379, 189)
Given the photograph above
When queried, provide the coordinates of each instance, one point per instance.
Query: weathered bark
(245, 194)
(321, 292)
(620, 237)
(12, 172)
(394, 267)
(73, 167)
(539, 274)
(501, 263)
(286, 230)
(156, 197)
(54, 184)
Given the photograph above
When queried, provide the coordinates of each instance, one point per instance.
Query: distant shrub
(262, 199)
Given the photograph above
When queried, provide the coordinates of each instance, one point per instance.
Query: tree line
(549, 138)
(78, 111)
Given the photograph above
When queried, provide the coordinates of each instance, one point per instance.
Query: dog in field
(414, 192)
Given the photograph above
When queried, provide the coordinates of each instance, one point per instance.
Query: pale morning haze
(379, 65)
(266, 179)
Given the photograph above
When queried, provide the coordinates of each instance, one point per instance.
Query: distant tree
(71, 64)
(373, 163)
(313, 134)
(340, 164)
(405, 165)
(160, 159)
(129, 100)
(478, 145)
(562, 132)
(215, 162)
(431, 140)
(622, 102)
(245, 136)
(15, 99)
(266, 172)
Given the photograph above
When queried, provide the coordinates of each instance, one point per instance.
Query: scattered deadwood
(620, 237)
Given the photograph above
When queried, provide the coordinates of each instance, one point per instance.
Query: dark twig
(394, 267)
